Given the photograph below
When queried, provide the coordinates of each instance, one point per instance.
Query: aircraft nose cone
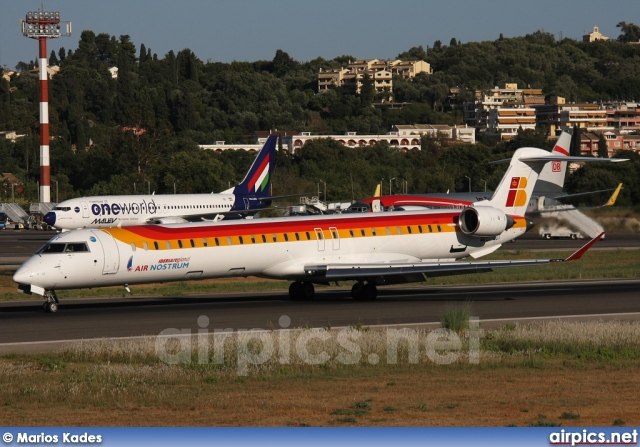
(22, 275)
(50, 218)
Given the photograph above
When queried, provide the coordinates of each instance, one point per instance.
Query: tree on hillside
(630, 32)
(603, 150)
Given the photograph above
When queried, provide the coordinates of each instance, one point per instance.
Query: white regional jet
(248, 197)
(371, 248)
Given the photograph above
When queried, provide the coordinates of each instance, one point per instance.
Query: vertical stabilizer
(551, 179)
(514, 191)
(256, 182)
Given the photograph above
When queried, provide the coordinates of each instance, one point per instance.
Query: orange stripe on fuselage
(264, 231)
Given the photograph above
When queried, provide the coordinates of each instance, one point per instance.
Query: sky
(252, 30)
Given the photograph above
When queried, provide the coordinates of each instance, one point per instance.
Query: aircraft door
(111, 253)
(335, 238)
(320, 237)
(85, 209)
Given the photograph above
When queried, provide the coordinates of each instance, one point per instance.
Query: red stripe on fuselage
(159, 232)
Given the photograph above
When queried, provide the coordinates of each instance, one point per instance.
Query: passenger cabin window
(133, 246)
(145, 246)
(155, 244)
(168, 245)
(179, 243)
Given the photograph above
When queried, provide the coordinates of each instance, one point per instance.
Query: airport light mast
(43, 25)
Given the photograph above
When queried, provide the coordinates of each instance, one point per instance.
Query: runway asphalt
(25, 321)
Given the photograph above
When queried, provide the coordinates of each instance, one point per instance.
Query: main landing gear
(360, 291)
(51, 305)
(364, 292)
(301, 291)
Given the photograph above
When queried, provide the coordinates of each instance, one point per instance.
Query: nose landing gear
(51, 305)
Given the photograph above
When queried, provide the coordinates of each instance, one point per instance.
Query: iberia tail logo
(261, 178)
(517, 194)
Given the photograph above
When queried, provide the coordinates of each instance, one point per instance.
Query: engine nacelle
(484, 221)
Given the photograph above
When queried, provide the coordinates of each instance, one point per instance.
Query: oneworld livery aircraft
(371, 248)
(251, 195)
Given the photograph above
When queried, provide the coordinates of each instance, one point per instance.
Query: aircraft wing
(567, 207)
(394, 273)
(610, 202)
(551, 157)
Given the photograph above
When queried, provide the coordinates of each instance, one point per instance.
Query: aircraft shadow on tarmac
(323, 297)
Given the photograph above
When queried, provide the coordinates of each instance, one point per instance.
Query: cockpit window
(61, 208)
(57, 247)
(51, 248)
(76, 247)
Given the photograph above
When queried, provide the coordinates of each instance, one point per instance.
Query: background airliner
(251, 195)
(371, 248)
(547, 195)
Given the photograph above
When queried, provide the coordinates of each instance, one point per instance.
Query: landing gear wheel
(301, 291)
(294, 290)
(307, 291)
(356, 291)
(364, 292)
(369, 292)
(51, 305)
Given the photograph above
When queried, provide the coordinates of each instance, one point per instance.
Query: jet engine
(484, 221)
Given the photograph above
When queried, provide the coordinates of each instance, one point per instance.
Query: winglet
(614, 196)
(578, 254)
(377, 193)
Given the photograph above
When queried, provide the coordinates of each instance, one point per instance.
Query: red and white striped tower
(45, 167)
(43, 25)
